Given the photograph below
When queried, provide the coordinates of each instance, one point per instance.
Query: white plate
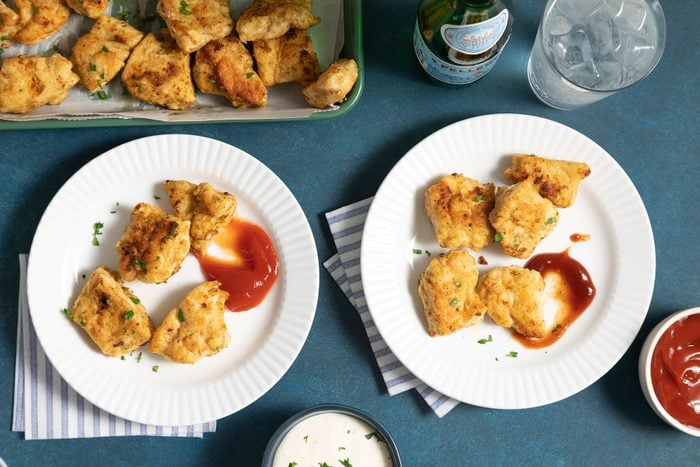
(619, 256)
(264, 341)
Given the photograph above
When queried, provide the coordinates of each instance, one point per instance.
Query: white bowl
(645, 370)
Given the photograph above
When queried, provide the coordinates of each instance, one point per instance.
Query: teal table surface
(650, 129)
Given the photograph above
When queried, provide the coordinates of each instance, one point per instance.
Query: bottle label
(475, 39)
(447, 72)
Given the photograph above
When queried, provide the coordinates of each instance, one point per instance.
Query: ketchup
(574, 291)
(579, 237)
(675, 370)
(252, 269)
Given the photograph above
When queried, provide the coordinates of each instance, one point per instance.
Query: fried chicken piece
(447, 290)
(158, 72)
(333, 85)
(28, 82)
(41, 18)
(195, 328)
(193, 23)
(100, 54)
(522, 218)
(114, 318)
(290, 57)
(224, 67)
(153, 246)
(208, 209)
(268, 19)
(513, 298)
(10, 23)
(458, 207)
(90, 8)
(556, 180)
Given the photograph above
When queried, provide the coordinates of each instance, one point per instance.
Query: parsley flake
(458, 284)
(128, 314)
(96, 230)
(479, 199)
(483, 341)
(498, 237)
(249, 74)
(417, 251)
(345, 462)
(454, 302)
(138, 357)
(551, 220)
(293, 464)
(135, 300)
(154, 368)
(67, 312)
(183, 8)
(512, 354)
(180, 315)
(156, 197)
(306, 438)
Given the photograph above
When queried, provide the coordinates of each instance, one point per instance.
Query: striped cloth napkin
(45, 407)
(346, 226)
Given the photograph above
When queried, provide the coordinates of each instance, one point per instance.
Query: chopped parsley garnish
(458, 284)
(417, 251)
(483, 341)
(293, 464)
(306, 438)
(105, 49)
(128, 314)
(183, 8)
(138, 357)
(93, 67)
(125, 15)
(35, 9)
(135, 300)
(101, 95)
(498, 237)
(156, 197)
(213, 81)
(323, 464)
(4, 38)
(140, 264)
(454, 302)
(345, 462)
(180, 315)
(512, 354)
(341, 448)
(551, 220)
(154, 368)
(140, 87)
(123, 358)
(427, 252)
(67, 312)
(479, 199)
(96, 230)
(374, 434)
(249, 74)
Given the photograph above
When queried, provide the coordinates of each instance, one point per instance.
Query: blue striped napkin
(45, 407)
(346, 226)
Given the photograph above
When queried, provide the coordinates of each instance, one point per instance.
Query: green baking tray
(352, 48)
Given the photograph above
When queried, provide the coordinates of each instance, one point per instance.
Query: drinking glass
(586, 50)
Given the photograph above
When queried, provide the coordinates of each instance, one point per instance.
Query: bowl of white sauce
(331, 435)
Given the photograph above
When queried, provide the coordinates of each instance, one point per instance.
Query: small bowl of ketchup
(669, 370)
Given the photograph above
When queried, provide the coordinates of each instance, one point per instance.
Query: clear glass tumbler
(586, 50)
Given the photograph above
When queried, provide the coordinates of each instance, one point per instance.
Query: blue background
(651, 129)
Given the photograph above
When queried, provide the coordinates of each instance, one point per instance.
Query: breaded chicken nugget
(522, 218)
(195, 328)
(40, 18)
(28, 82)
(9, 25)
(100, 54)
(333, 85)
(90, 8)
(447, 290)
(193, 23)
(158, 72)
(153, 246)
(111, 314)
(458, 208)
(291, 57)
(208, 209)
(268, 19)
(558, 181)
(224, 67)
(513, 298)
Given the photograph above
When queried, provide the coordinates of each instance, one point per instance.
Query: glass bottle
(459, 41)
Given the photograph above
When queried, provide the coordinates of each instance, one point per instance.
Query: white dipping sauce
(334, 438)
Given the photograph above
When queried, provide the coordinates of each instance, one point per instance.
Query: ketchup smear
(675, 370)
(574, 292)
(252, 269)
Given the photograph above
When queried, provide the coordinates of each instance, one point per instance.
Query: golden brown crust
(556, 180)
(333, 85)
(288, 58)
(10, 23)
(153, 246)
(447, 290)
(268, 19)
(513, 298)
(194, 23)
(458, 208)
(522, 218)
(40, 19)
(195, 328)
(90, 8)
(114, 318)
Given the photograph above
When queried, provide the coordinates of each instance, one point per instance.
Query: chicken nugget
(10, 23)
(158, 72)
(40, 19)
(90, 8)
(458, 208)
(28, 82)
(268, 19)
(100, 54)
(224, 67)
(291, 57)
(513, 298)
(333, 85)
(153, 246)
(522, 218)
(208, 210)
(193, 23)
(114, 318)
(556, 180)
(447, 290)
(195, 328)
